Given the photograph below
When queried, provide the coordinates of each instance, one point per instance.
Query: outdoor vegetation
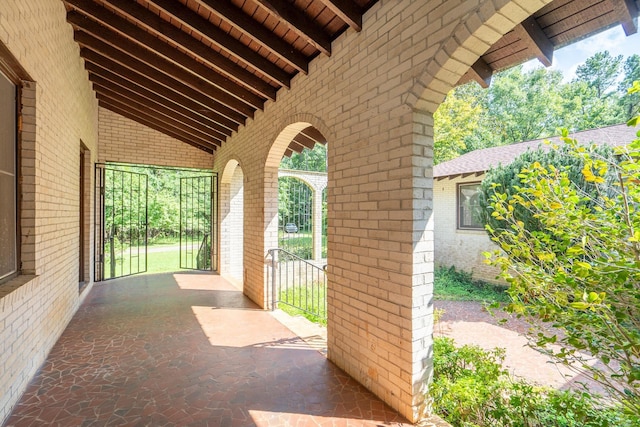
(472, 389)
(309, 302)
(295, 203)
(573, 261)
(566, 221)
(524, 105)
(454, 285)
(132, 194)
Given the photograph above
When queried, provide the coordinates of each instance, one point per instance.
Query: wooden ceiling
(556, 25)
(197, 69)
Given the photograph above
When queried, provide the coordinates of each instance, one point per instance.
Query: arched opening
(295, 216)
(297, 247)
(232, 223)
(456, 213)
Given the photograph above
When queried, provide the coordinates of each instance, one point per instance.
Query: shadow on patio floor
(188, 349)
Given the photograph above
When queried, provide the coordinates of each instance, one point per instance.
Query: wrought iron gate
(197, 214)
(295, 217)
(121, 223)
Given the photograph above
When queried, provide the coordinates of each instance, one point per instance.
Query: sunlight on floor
(202, 282)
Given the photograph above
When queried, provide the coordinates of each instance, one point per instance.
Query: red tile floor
(188, 350)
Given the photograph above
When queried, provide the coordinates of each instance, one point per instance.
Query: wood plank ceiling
(556, 25)
(197, 69)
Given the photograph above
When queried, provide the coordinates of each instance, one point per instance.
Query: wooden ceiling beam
(314, 134)
(298, 22)
(481, 72)
(154, 124)
(628, 13)
(164, 31)
(140, 60)
(254, 30)
(102, 85)
(131, 64)
(108, 64)
(101, 16)
(534, 38)
(305, 141)
(221, 39)
(288, 152)
(149, 110)
(346, 10)
(107, 78)
(295, 146)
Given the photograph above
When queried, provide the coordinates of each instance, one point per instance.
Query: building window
(469, 206)
(8, 180)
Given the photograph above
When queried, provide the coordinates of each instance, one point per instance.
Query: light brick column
(423, 257)
(317, 223)
(380, 259)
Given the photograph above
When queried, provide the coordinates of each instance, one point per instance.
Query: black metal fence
(298, 286)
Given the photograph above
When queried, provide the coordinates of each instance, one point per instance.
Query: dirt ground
(468, 322)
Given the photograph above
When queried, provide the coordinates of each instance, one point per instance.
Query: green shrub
(507, 179)
(579, 271)
(472, 389)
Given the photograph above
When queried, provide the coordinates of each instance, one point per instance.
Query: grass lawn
(453, 285)
(158, 262)
(300, 244)
(312, 299)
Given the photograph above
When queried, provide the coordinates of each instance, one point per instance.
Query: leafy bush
(472, 389)
(579, 271)
(506, 180)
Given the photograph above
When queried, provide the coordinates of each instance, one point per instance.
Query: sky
(568, 58)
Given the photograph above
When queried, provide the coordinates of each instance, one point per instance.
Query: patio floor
(188, 349)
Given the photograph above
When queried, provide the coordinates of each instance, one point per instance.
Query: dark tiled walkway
(188, 350)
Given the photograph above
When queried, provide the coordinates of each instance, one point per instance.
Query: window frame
(459, 207)
(24, 84)
(16, 178)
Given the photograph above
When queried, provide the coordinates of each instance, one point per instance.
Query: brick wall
(461, 249)
(126, 141)
(60, 112)
(235, 225)
(373, 100)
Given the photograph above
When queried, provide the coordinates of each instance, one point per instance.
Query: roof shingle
(479, 161)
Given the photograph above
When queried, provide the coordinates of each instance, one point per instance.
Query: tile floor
(188, 350)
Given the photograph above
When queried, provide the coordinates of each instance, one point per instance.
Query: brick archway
(472, 37)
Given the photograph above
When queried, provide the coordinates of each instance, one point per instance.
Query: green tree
(600, 72)
(506, 180)
(580, 272)
(523, 106)
(591, 99)
(307, 160)
(630, 102)
(455, 121)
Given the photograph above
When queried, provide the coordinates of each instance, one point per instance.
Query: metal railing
(298, 283)
(203, 258)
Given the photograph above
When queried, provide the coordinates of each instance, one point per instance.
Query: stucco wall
(460, 248)
(60, 113)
